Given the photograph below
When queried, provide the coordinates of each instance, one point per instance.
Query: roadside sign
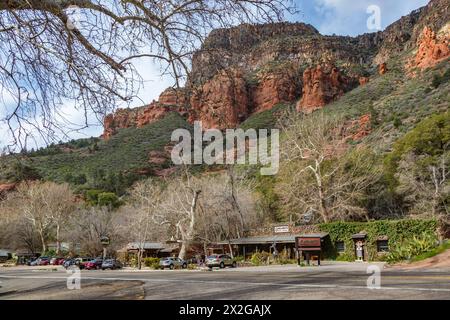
(281, 229)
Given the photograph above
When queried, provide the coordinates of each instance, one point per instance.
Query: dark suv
(221, 261)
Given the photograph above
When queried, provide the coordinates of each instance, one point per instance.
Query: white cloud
(349, 17)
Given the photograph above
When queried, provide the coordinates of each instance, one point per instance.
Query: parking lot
(330, 281)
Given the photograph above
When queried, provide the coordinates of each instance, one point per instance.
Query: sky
(341, 17)
(349, 17)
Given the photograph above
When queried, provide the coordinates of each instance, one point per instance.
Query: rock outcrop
(5, 188)
(321, 85)
(382, 68)
(432, 48)
(221, 102)
(122, 118)
(273, 88)
(170, 100)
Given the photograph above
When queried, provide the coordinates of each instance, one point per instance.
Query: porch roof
(271, 239)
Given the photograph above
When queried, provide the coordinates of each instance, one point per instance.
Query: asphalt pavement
(339, 281)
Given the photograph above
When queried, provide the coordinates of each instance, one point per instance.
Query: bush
(345, 257)
(192, 266)
(261, 258)
(413, 247)
(152, 263)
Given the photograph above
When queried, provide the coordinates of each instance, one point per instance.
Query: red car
(93, 264)
(57, 261)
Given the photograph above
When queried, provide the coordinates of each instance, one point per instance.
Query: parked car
(93, 264)
(43, 261)
(56, 261)
(33, 262)
(81, 261)
(69, 262)
(111, 264)
(172, 263)
(221, 261)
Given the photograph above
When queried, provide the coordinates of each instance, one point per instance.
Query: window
(383, 245)
(340, 246)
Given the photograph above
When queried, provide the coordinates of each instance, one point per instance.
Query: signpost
(105, 242)
(309, 245)
(281, 229)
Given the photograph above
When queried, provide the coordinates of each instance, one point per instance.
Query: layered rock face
(432, 48)
(282, 86)
(321, 85)
(122, 118)
(251, 68)
(170, 100)
(221, 102)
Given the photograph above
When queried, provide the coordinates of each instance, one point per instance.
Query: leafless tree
(320, 173)
(144, 201)
(89, 225)
(46, 206)
(60, 204)
(80, 53)
(16, 232)
(425, 190)
(33, 206)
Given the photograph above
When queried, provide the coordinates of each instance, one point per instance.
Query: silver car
(172, 263)
(221, 261)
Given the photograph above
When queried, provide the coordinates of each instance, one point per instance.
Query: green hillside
(123, 156)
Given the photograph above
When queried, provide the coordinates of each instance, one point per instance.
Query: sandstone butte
(226, 97)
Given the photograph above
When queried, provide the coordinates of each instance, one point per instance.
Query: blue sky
(342, 17)
(349, 17)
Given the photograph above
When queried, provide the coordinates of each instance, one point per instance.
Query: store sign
(308, 244)
(281, 229)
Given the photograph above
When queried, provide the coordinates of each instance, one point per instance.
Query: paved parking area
(330, 281)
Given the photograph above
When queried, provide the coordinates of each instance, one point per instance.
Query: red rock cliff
(432, 49)
(221, 102)
(321, 85)
(274, 88)
(170, 100)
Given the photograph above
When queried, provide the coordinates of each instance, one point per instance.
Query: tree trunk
(140, 259)
(323, 207)
(186, 236)
(231, 250)
(183, 250)
(44, 245)
(58, 242)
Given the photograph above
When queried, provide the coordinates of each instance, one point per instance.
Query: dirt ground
(439, 261)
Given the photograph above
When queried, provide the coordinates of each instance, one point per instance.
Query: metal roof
(146, 245)
(360, 235)
(272, 239)
(4, 253)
